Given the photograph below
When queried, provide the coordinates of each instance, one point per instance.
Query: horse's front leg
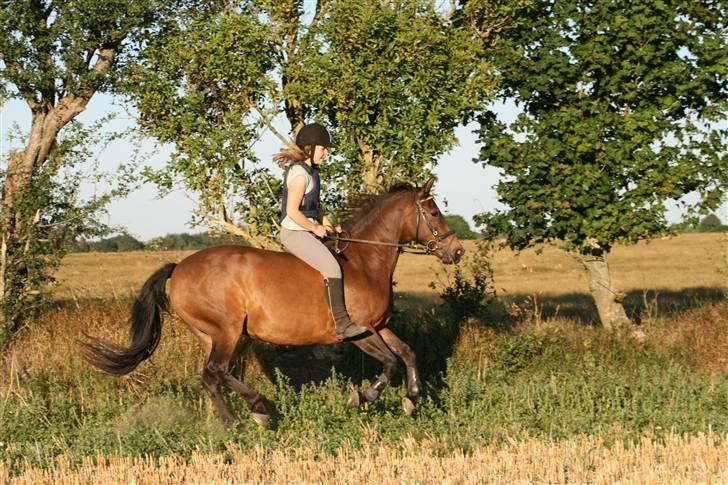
(374, 346)
(404, 352)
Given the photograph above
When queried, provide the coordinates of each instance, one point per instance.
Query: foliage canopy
(624, 108)
(392, 80)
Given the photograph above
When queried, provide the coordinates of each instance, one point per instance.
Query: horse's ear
(428, 186)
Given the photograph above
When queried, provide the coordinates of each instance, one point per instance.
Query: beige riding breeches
(309, 249)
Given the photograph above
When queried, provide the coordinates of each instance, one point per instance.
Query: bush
(468, 291)
(711, 223)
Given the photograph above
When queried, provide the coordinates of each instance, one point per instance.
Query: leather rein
(411, 247)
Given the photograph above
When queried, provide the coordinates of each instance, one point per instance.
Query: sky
(463, 187)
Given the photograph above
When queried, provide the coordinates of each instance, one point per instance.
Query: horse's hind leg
(404, 352)
(212, 379)
(258, 411)
(374, 346)
(223, 350)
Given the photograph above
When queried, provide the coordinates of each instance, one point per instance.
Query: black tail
(145, 332)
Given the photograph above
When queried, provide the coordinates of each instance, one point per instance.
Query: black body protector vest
(311, 202)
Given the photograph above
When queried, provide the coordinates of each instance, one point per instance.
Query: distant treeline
(710, 223)
(126, 242)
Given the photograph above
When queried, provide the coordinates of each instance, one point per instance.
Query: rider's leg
(345, 328)
(312, 251)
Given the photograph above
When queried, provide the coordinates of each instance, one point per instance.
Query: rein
(412, 247)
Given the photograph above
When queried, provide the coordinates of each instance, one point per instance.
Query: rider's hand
(329, 228)
(338, 229)
(319, 231)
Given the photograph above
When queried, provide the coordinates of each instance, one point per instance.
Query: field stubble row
(583, 460)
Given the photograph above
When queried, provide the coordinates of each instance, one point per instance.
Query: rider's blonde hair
(293, 154)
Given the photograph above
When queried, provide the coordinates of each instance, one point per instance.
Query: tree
(460, 226)
(198, 86)
(711, 223)
(55, 56)
(393, 79)
(624, 105)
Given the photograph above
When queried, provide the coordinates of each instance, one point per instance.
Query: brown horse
(226, 293)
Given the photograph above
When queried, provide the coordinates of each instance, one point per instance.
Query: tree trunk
(10, 218)
(46, 123)
(606, 297)
(372, 180)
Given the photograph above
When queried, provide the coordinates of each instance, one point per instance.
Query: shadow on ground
(579, 307)
(425, 325)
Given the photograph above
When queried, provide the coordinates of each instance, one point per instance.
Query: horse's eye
(435, 213)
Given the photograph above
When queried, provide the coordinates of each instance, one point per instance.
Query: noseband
(414, 247)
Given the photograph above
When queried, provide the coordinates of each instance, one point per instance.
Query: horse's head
(429, 228)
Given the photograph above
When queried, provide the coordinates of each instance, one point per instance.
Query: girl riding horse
(303, 224)
(228, 294)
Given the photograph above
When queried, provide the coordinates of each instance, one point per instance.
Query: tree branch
(269, 124)
(319, 12)
(16, 70)
(239, 231)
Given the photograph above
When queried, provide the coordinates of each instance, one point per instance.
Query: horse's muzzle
(452, 255)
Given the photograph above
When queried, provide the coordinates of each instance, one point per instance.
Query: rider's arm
(296, 189)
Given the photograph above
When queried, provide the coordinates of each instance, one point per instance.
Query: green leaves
(49, 49)
(194, 86)
(394, 79)
(621, 108)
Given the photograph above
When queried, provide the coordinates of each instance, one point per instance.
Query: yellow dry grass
(671, 264)
(698, 459)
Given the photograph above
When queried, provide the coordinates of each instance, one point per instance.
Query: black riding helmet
(313, 134)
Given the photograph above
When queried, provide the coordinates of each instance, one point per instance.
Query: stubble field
(527, 391)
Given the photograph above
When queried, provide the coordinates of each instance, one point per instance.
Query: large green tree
(56, 56)
(392, 79)
(623, 109)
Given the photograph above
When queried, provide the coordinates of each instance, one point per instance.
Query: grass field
(685, 266)
(527, 391)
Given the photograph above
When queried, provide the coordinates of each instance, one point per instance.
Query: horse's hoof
(261, 420)
(354, 400)
(408, 405)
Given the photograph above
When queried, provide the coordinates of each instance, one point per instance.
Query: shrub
(468, 290)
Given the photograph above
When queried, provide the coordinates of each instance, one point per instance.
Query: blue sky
(467, 188)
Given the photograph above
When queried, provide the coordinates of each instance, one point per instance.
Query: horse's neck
(384, 226)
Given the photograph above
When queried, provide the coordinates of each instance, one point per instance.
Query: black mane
(359, 208)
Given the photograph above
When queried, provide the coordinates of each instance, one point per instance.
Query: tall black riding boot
(345, 328)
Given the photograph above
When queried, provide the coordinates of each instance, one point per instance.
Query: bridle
(431, 247)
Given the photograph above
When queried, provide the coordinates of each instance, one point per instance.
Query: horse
(227, 294)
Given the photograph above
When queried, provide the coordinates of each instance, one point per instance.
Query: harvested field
(678, 460)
